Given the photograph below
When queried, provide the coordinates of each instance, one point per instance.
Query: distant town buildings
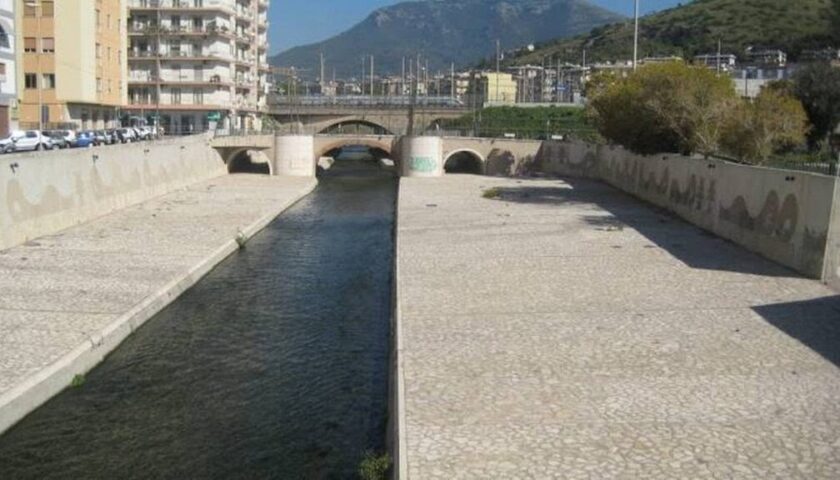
(198, 63)
(725, 61)
(8, 70)
(72, 72)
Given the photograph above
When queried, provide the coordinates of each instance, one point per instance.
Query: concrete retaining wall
(783, 215)
(44, 192)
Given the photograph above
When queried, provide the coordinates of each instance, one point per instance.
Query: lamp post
(636, 35)
(34, 5)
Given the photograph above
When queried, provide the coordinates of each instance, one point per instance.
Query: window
(2, 69)
(28, 9)
(108, 22)
(49, 81)
(47, 8)
(4, 38)
(30, 45)
(98, 51)
(30, 80)
(109, 54)
(109, 85)
(176, 96)
(198, 97)
(98, 19)
(98, 85)
(48, 45)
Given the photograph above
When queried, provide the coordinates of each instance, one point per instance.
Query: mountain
(695, 28)
(445, 31)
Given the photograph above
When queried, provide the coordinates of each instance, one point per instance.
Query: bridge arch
(351, 126)
(464, 160)
(384, 145)
(241, 160)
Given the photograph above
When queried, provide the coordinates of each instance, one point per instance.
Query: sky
(299, 22)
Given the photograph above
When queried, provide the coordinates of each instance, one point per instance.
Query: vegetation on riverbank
(535, 122)
(673, 107)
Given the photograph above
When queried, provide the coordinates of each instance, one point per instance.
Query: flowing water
(273, 366)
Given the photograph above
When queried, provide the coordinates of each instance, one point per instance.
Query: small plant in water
(494, 192)
(78, 381)
(374, 467)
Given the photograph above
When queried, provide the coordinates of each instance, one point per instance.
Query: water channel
(273, 366)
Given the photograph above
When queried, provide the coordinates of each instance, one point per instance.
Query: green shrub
(374, 467)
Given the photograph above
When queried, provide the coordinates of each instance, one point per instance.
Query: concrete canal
(273, 366)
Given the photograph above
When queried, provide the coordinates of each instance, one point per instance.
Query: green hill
(694, 28)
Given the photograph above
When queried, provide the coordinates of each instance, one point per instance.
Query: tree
(817, 86)
(617, 108)
(836, 20)
(757, 129)
(664, 107)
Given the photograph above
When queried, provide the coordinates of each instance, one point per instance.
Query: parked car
(58, 138)
(142, 133)
(94, 138)
(126, 135)
(69, 137)
(30, 140)
(103, 137)
(146, 133)
(7, 143)
(85, 140)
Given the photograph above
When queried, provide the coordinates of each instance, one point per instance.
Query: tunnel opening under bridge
(464, 161)
(357, 158)
(249, 161)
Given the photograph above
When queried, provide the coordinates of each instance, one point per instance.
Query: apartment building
(198, 64)
(72, 65)
(8, 78)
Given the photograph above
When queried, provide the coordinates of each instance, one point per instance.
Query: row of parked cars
(30, 140)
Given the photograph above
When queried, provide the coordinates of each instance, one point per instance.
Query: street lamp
(636, 36)
(34, 5)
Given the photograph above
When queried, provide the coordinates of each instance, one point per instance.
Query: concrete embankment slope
(564, 329)
(44, 192)
(70, 298)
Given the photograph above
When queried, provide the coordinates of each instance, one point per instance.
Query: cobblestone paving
(566, 330)
(58, 291)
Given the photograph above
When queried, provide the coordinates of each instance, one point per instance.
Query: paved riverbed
(67, 297)
(565, 330)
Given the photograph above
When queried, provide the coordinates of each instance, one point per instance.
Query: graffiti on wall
(424, 164)
(776, 219)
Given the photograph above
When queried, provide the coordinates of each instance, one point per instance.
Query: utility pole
(636, 37)
(718, 58)
(402, 82)
(498, 65)
(363, 80)
(452, 79)
(371, 76)
(321, 78)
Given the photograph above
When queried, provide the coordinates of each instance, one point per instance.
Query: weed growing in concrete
(78, 381)
(494, 192)
(374, 467)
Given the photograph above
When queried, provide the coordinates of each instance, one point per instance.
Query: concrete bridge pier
(294, 156)
(421, 156)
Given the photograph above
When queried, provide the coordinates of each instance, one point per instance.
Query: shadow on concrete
(244, 163)
(614, 210)
(815, 323)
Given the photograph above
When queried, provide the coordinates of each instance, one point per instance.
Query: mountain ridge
(444, 32)
(694, 28)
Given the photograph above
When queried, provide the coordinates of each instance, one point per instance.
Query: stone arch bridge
(346, 119)
(298, 155)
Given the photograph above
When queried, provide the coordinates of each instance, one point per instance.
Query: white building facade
(198, 64)
(8, 73)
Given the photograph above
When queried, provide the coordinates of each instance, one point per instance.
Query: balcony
(176, 55)
(183, 30)
(183, 80)
(180, 6)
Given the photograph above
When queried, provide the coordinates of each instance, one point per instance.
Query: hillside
(695, 28)
(446, 31)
